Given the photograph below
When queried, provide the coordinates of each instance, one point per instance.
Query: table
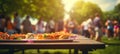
(84, 44)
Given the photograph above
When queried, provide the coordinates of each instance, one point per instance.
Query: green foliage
(113, 14)
(108, 50)
(35, 8)
(113, 46)
(8, 6)
(107, 40)
(117, 10)
(82, 10)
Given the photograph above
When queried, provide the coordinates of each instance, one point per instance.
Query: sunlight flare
(68, 6)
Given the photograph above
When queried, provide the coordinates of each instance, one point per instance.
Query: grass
(46, 51)
(43, 51)
(110, 49)
(112, 46)
(110, 40)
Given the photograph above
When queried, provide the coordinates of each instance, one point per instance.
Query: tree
(82, 10)
(35, 8)
(48, 8)
(113, 14)
(117, 10)
(9, 6)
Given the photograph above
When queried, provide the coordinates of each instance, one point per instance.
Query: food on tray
(17, 36)
(39, 36)
(4, 36)
(29, 36)
(56, 35)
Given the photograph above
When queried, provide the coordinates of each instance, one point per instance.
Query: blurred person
(70, 25)
(9, 26)
(97, 27)
(85, 29)
(75, 28)
(59, 26)
(40, 28)
(80, 30)
(2, 23)
(27, 27)
(116, 28)
(109, 28)
(91, 27)
(52, 25)
(17, 23)
(47, 28)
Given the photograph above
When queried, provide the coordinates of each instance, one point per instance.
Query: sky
(105, 5)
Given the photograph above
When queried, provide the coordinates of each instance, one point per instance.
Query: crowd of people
(92, 27)
(25, 26)
(112, 28)
(6, 24)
